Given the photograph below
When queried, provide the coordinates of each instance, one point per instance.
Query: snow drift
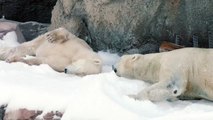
(93, 97)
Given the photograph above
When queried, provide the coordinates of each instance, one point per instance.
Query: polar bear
(61, 50)
(184, 73)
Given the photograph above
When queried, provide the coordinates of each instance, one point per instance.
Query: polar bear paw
(143, 95)
(13, 58)
(51, 38)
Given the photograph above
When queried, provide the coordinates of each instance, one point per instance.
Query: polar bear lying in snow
(185, 73)
(60, 49)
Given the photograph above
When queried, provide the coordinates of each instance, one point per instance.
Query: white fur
(59, 49)
(184, 73)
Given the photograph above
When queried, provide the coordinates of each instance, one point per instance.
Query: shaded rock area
(130, 26)
(31, 30)
(27, 10)
(2, 112)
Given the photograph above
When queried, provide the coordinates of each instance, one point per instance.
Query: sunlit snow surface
(93, 97)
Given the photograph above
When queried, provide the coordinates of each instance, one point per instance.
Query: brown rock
(168, 46)
(53, 115)
(22, 114)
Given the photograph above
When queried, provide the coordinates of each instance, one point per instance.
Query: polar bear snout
(65, 70)
(114, 68)
(175, 91)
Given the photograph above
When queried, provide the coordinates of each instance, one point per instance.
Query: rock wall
(27, 10)
(135, 26)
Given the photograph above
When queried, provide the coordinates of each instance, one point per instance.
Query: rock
(26, 114)
(31, 30)
(2, 112)
(27, 10)
(28, 30)
(129, 25)
(8, 25)
(168, 46)
(53, 115)
(21, 114)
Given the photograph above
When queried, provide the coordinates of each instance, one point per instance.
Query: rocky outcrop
(27, 10)
(135, 25)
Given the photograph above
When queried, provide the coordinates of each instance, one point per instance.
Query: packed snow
(93, 97)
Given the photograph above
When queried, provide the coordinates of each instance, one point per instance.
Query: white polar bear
(185, 73)
(61, 50)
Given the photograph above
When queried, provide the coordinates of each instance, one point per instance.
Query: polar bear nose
(65, 70)
(114, 69)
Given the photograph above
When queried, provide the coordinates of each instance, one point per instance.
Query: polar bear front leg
(57, 36)
(31, 61)
(28, 48)
(164, 90)
(13, 58)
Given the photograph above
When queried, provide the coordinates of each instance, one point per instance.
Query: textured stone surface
(21, 114)
(135, 25)
(27, 10)
(31, 30)
(8, 25)
(2, 112)
(26, 114)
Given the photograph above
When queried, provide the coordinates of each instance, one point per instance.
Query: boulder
(31, 30)
(27, 30)
(127, 26)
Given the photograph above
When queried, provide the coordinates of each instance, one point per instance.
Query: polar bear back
(197, 67)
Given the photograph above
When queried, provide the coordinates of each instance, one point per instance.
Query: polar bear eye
(97, 61)
(135, 57)
(175, 92)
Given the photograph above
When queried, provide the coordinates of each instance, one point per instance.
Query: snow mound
(93, 97)
(9, 40)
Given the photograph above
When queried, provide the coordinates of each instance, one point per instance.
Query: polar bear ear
(135, 57)
(66, 37)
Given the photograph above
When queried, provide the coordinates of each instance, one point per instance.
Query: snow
(10, 39)
(93, 97)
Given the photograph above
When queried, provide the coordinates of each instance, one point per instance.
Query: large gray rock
(134, 25)
(27, 31)
(31, 29)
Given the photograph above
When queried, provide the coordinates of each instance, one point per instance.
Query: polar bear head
(126, 66)
(84, 67)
